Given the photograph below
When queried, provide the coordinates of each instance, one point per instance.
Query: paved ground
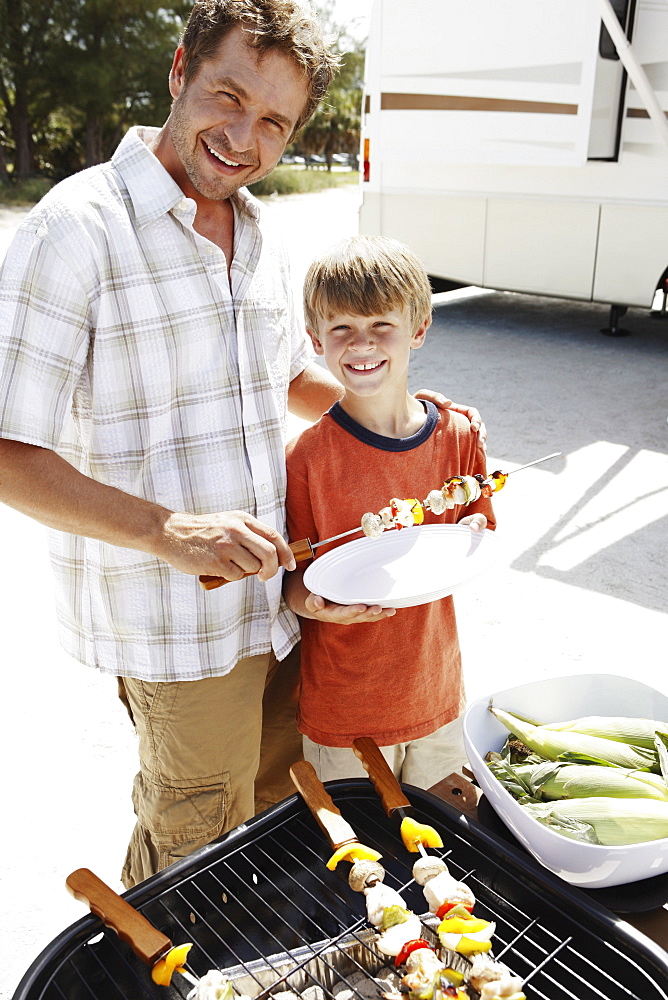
(581, 587)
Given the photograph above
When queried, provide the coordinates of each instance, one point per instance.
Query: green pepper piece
(393, 915)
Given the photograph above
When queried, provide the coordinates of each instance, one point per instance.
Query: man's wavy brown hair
(287, 25)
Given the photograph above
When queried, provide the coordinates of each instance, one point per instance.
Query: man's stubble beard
(181, 137)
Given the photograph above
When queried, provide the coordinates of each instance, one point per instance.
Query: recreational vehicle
(522, 145)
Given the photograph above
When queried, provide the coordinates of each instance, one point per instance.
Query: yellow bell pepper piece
(417, 510)
(467, 946)
(174, 960)
(414, 833)
(353, 852)
(460, 925)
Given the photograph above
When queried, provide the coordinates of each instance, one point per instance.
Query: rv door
(609, 87)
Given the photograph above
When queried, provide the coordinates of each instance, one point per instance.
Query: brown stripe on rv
(639, 113)
(444, 102)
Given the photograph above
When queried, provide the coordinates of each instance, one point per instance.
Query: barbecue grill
(261, 905)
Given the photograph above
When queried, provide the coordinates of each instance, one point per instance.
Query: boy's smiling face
(369, 355)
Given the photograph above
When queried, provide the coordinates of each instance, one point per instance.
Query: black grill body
(261, 904)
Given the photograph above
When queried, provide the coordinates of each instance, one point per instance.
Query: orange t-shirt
(398, 679)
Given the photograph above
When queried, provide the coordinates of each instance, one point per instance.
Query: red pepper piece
(446, 907)
(409, 948)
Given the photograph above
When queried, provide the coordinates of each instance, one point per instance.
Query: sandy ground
(581, 586)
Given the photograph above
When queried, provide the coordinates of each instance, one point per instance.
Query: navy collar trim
(379, 441)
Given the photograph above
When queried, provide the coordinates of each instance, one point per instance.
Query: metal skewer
(555, 454)
(353, 531)
(304, 548)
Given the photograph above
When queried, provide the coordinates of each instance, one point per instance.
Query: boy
(392, 675)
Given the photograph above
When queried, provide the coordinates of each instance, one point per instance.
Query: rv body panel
(487, 123)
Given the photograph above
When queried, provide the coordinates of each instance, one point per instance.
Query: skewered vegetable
(457, 491)
(417, 944)
(444, 892)
(378, 898)
(460, 931)
(399, 929)
(428, 867)
(174, 961)
(418, 835)
(365, 873)
(493, 979)
(214, 986)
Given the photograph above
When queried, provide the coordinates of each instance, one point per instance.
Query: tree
(26, 35)
(336, 125)
(116, 56)
(75, 73)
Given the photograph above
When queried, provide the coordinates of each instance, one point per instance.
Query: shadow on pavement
(546, 379)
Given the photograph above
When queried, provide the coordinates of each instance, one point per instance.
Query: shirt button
(265, 488)
(209, 251)
(182, 205)
(252, 429)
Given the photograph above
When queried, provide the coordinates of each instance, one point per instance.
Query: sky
(353, 14)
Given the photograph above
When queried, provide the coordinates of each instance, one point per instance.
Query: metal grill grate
(261, 905)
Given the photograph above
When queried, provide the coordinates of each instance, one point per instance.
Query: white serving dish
(557, 699)
(402, 569)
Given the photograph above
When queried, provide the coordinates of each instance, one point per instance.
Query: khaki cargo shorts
(212, 753)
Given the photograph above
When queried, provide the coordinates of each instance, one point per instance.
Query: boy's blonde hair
(367, 276)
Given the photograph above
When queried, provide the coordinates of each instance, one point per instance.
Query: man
(149, 350)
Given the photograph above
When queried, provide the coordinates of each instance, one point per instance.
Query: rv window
(606, 48)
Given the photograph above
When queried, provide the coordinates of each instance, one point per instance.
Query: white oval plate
(402, 569)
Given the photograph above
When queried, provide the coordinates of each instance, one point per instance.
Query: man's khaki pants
(212, 754)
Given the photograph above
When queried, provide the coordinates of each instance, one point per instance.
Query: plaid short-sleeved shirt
(125, 349)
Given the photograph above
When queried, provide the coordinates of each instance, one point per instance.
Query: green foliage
(336, 125)
(27, 192)
(74, 74)
(291, 180)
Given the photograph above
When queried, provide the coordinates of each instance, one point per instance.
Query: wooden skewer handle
(301, 550)
(380, 773)
(337, 830)
(148, 943)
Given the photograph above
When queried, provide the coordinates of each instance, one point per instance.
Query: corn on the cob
(555, 780)
(616, 822)
(551, 744)
(637, 732)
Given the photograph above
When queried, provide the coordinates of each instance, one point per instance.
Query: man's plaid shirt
(123, 349)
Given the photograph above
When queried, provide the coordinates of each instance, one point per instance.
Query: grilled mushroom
(426, 868)
(364, 874)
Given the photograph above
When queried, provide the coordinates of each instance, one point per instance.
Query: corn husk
(661, 747)
(615, 822)
(637, 732)
(555, 780)
(552, 745)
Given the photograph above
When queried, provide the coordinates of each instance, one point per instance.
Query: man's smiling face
(230, 124)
